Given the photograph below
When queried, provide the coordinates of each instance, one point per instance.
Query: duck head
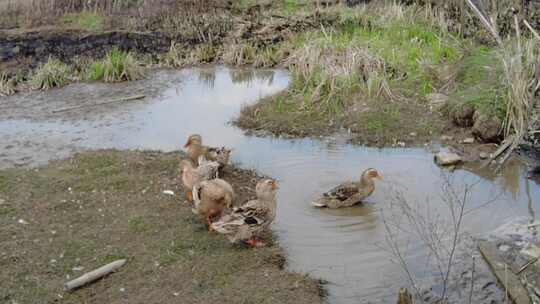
(193, 139)
(267, 189)
(370, 174)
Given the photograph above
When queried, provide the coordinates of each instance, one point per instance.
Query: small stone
(122, 289)
(483, 155)
(77, 268)
(504, 248)
(2, 201)
(21, 221)
(446, 138)
(468, 140)
(487, 128)
(168, 192)
(413, 134)
(447, 158)
(176, 294)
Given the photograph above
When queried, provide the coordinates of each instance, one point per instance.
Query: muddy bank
(21, 50)
(24, 50)
(78, 214)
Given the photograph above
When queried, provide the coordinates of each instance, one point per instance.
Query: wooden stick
(100, 103)
(529, 263)
(94, 275)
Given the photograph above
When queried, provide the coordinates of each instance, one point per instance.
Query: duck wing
(251, 215)
(342, 191)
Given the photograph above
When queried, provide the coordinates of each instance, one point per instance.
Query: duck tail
(219, 228)
(318, 204)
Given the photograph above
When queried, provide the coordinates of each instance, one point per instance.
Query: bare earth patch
(76, 215)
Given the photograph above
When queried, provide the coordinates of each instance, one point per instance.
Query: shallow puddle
(345, 247)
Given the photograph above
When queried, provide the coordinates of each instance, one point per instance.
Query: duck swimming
(350, 193)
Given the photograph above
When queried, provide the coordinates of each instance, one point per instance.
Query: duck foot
(255, 243)
(189, 196)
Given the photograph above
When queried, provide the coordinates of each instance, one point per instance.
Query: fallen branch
(94, 275)
(529, 263)
(101, 103)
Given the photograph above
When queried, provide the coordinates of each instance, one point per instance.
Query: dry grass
(54, 73)
(7, 86)
(195, 14)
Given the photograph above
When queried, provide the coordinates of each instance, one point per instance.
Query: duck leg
(189, 196)
(209, 219)
(255, 243)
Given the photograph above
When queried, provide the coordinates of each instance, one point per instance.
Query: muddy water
(345, 247)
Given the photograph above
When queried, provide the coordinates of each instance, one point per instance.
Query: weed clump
(116, 66)
(7, 85)
(54, 73)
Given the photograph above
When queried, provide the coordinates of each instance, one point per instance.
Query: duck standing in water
(246, 222)
(351, 193)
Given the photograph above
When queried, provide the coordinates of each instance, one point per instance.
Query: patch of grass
(7, 85)
(54, 73)
(96, 228)
(84, 20)
(240, 54)
(6, 182)
(116, 66)
(102, 171)
(479, 82)
(138, 225)
(204, 53)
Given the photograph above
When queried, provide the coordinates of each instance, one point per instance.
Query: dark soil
(75, 215)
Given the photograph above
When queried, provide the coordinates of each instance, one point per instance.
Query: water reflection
(342, 246)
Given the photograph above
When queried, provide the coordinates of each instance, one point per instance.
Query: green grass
(479, 82)
(7, 85)
(85, 20)
(116, 66)
(54, 73)
(138, 225)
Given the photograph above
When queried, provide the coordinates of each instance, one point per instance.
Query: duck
(246, 222)
(191, 175)
(220, 155)
(350, 193)
(211, 198)
(195, 148)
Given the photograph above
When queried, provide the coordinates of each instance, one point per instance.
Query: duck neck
(366, 181)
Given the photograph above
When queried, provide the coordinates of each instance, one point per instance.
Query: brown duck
(350, 193)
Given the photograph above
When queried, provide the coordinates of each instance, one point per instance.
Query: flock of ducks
(212, 198)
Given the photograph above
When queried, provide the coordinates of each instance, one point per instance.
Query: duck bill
(380, 177)
(188, 143)
(275, 185)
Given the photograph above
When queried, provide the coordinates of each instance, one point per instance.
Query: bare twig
(100, 103)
